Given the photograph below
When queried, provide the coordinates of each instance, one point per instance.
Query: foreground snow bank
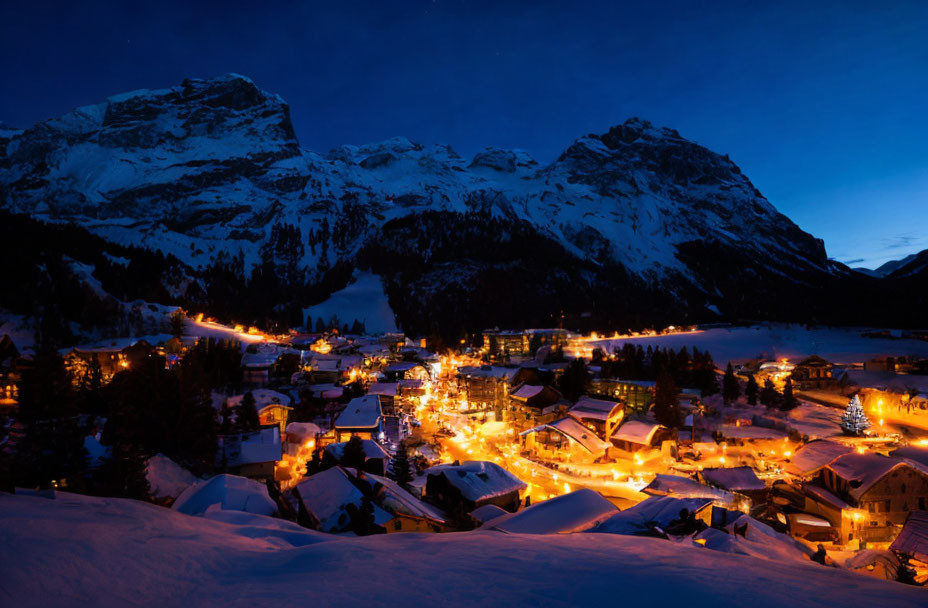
(80, 551)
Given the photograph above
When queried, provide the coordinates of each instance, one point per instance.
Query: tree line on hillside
(144, 410)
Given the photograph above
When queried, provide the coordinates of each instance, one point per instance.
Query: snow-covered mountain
(637, 223)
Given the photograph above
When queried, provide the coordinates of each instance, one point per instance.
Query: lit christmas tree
(854, 421)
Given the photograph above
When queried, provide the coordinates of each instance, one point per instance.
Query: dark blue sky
(822, 104)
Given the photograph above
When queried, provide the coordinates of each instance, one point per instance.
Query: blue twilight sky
(824, 105)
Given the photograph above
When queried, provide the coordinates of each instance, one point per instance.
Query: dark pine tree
(730, 389)
(575, 381)
(768, 394)
(751, 390)
(353, 454)
(666, 401)
(788, 400)
(399, 466)
(246, 414)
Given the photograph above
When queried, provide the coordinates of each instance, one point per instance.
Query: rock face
(636, 225)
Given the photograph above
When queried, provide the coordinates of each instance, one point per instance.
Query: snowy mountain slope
(211, 170)
(79, 551)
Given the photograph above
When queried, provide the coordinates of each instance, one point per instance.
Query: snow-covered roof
(570, 428)
(371, 449)
(824, 495)
(814, 455)
(478, 480)
(403, 366)
(637, 431)
(166, 478)
(527, 391)
(303, 430)
(487, 512)
(259, 359)
(914, 453)
(262, 445)
(656, 511)
(864, 470)
(754, 538)
(263, 398)
(383, 388)
(487, 371)
(573, 512)
(599, 409)
(750, 431)
(913, 538)
(398, 500)
(886, 381)
(360, 413)
(228, 491)
(684, 487)
(327, 494)
(736, 479)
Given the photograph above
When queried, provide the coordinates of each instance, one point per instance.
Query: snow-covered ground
(83, 551)
(364, 299)
(775, 341)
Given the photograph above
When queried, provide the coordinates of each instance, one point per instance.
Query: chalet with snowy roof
(331, 499)
(533, 404)
(363, 416)
(635, 435)
(742, 480)
(565, 439)
(637, 395)
(577, 511)
(656, 514)
(911, 544)
(387, 391)
(814, 456)
(406, 370)
(376, 459)
(458, 489)
(252, 455)
(599, 415)
(813, 373)
(113, 356)
(272, 407)
(685, 487)
(867, 496)
(409, 513)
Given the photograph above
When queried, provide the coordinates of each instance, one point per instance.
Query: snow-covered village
(533, 345)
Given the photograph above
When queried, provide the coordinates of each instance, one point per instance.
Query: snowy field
(364, 299)
(83, 551)
(775, 341)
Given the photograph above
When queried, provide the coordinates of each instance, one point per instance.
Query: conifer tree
(246, 414)
(666, 401)
(353, 455)
(768, 395)
(730, 388)
(788, 401)
(399, 466)
(751, 390)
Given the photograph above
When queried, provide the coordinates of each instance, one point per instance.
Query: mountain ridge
(634, 225)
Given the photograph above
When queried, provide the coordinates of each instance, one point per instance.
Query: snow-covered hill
(82, 551)
(211, 170)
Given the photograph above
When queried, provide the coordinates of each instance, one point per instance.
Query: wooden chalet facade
(813, 373)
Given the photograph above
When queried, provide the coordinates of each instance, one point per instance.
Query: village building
(577, 511)
(599, 415)
(867, 496)
(656, 514)
(458, 489)
(363, 416)
(272, 407)
(406, 370)
(635, 435)
(565, 439)
(487, 386)
(327, 501)
(814, 456)
(741, 480)
(376, 459)
(813, 373)
(112, 357)
(254, 454)
(387, 391)
(409, 513)
(637, 395)
(911, 545)
(533, 404)
(500, 343)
